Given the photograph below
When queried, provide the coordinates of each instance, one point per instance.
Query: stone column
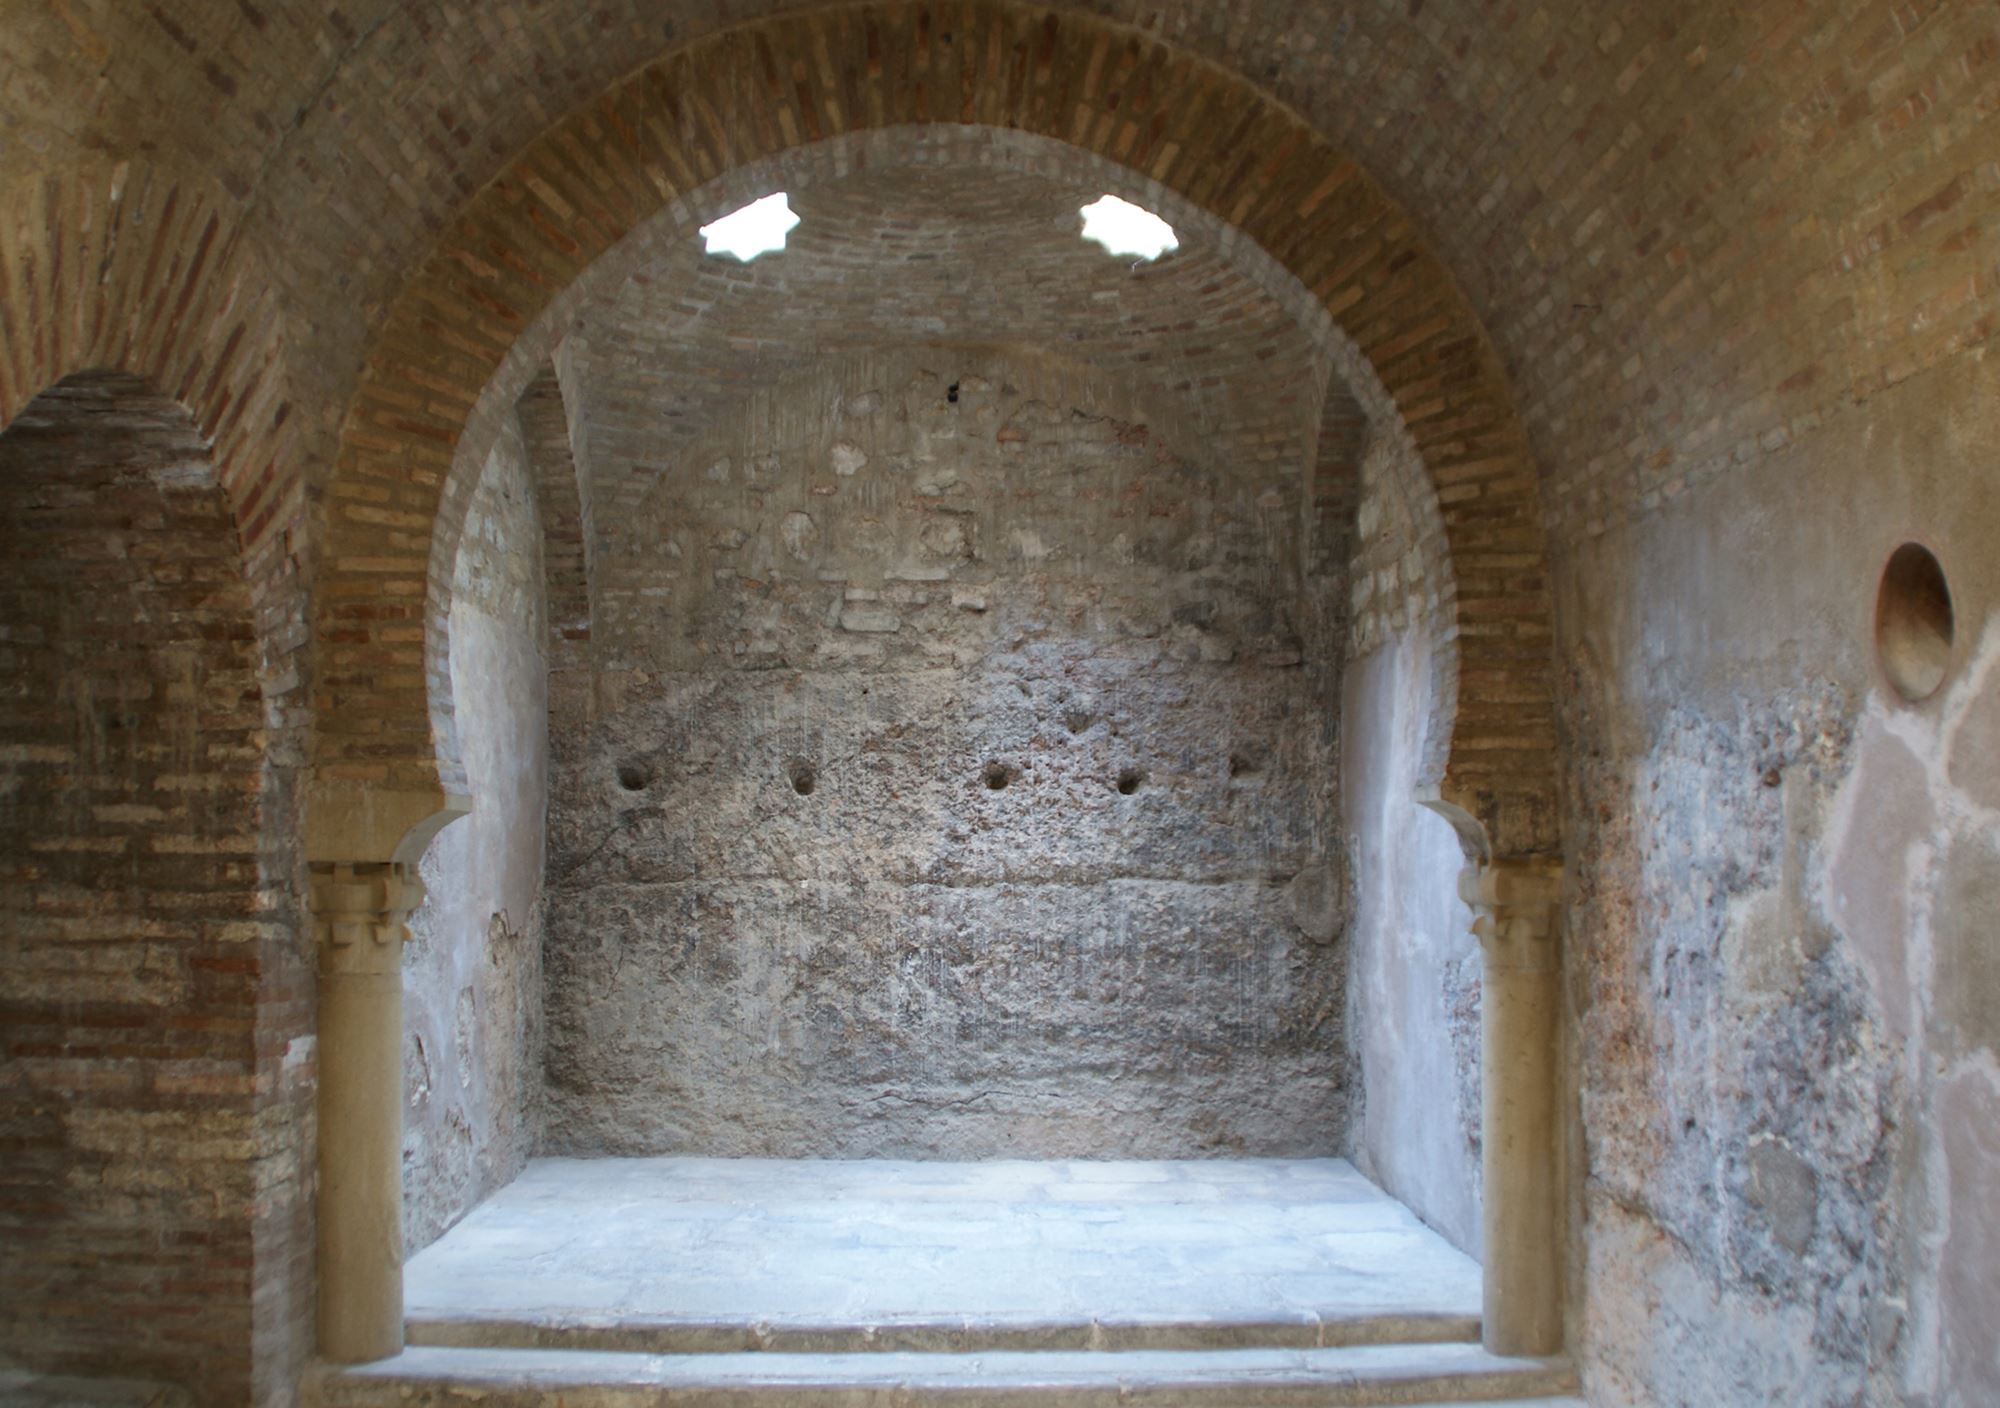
(359, 913)
(1514, 908)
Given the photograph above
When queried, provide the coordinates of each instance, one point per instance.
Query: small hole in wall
(951, 393)
(996, 776)
(1914, 623)
(804, 778)
(1246, 762)
(1130, 781)
(634, 776)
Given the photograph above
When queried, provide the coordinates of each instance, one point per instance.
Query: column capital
(359, 912)
(1513, 903)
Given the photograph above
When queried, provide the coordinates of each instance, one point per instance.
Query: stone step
(1348, 1325)
(1462, 1374)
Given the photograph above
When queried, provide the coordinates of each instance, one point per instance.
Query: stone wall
(1781, 932)
(472, 990)
(132, 900)
(959, 787)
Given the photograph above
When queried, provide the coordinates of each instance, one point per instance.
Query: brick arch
(140, 267)
(683, 124)
(134, 272)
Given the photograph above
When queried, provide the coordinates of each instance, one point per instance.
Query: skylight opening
(1127, 230)
(758, 228)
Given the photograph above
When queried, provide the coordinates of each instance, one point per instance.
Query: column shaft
(360, 912)
(1520, 1190)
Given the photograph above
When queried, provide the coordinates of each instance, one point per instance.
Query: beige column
(1514, 907)
(359, 913)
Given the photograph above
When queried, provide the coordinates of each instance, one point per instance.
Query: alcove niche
(933, 691)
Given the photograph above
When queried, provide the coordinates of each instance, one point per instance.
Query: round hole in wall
(996, 775)
(1130, 780)
(1913, 622)
(804, 778)
(634, 776)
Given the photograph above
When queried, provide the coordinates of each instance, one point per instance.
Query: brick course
(135, 901)
(665, 133)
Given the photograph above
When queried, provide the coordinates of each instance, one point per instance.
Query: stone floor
(751, 1283)
(691, 1255)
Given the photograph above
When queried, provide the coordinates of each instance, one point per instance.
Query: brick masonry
(140, 897)
(1700, 238)
(663, 134)
(1874, 113)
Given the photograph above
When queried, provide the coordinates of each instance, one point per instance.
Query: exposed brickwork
(1249, 306)
(1697, 234)
(562, 503)
(137, 266)
(960, 254)
(1810, 182)
(1773, 211)
(598, 175)
(135, 902)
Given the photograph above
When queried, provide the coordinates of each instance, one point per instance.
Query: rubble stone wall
(960, 786)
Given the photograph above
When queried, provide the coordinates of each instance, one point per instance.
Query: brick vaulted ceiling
(943, 255)
(1688, 234)
(1728, 196)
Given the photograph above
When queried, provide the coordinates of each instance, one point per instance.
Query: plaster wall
(472, 974)
(958, 787)
(1415, 966)
(1414, 993)
(1781, 934)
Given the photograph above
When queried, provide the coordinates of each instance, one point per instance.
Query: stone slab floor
(688, 1255)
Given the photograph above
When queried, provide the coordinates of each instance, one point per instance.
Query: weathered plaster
(1416, 965)
(1780, 920)
(1921, 817)
(472, 969)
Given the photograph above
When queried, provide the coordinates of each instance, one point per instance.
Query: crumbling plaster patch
(1780, 1127)
(1740, 1102)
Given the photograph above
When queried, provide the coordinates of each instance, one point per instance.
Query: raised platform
(641, 1281)
(1462, 1374)
(693, 1255)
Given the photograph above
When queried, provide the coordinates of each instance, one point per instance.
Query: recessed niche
(996, 775)
(1914, 624)
(1131, 780)
(634, 776)
(805, 777)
